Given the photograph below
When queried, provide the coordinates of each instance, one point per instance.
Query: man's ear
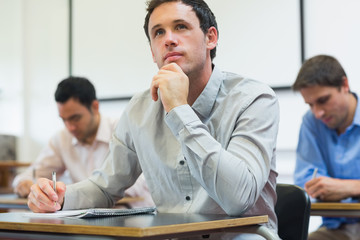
(95, 106)
(345, 84)
(211, 38)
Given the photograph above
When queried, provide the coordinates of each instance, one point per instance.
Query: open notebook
(94, 212)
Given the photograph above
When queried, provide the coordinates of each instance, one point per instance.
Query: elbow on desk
(240, 201)
(238, 206)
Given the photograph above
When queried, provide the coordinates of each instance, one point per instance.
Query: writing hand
(23, 188)
(330, 189)
(173, 85)
(43, 198)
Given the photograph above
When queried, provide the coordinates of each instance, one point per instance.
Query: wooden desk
(159, 226)
(335, 209)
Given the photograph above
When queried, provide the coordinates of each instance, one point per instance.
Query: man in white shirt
(204, 139)
(81, 146)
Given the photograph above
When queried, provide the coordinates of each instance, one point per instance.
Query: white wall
(249, 41)
(34, 38)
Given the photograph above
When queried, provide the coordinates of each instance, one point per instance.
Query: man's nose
(318, 112)
(170, 39)
(70, 126)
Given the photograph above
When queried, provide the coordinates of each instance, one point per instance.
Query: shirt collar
(205, 102)
(103, 133)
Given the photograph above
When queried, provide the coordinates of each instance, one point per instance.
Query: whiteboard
(335, 33)
(259, 39)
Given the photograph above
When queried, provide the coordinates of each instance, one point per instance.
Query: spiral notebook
(94, 212)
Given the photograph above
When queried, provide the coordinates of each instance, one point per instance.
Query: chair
(7, 152)
(293, 212)
(7, 147)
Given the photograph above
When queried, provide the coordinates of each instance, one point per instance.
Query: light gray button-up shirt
(217, 156)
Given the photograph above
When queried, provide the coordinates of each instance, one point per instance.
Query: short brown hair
(320, 70)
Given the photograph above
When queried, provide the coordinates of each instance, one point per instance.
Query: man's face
(329, 104)
(78, 119)
(176, 36)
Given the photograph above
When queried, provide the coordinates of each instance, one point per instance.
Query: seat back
(7, 147)
(293, 212)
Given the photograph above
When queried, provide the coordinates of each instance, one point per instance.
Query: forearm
(351, 188)
(85, 194)
(107, 184)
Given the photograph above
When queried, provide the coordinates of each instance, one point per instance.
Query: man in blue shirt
(329, 141)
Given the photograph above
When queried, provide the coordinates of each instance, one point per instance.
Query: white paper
(93, 212)
(66, 213)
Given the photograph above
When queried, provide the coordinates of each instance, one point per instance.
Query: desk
(12, 201)
(335, 209)
(159, 226)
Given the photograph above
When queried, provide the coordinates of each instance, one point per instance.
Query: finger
(41, 199)
(60, 189)
(46, 187)
(38, 206)
(154, 90)
(172, 67)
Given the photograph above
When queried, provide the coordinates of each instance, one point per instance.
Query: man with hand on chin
(204, 139)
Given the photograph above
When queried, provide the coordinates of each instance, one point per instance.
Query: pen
(315, 172)
(54, 179)
(34, 175)
(54, 182)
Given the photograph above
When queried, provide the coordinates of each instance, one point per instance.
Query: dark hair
(78, 88)
(322, 70)
(201, 9)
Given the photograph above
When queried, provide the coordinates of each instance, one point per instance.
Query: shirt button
(182, 162)
(188, 198)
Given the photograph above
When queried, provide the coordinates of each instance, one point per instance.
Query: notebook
(94, 212)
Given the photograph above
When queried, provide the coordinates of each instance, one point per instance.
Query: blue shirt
(336, 156)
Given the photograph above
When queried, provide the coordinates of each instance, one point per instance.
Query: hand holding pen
(46, 195)
(311, 186)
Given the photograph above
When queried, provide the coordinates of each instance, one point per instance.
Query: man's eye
(323, 100)
(159, 32)
(77, 118)
(181, 26)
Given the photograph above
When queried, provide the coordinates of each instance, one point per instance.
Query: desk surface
(335, 209)
(13, 164)
(140, 226)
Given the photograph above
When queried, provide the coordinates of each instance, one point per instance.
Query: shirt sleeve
(233, 175)
(108, 183)
(308, 153)
(48, 160)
